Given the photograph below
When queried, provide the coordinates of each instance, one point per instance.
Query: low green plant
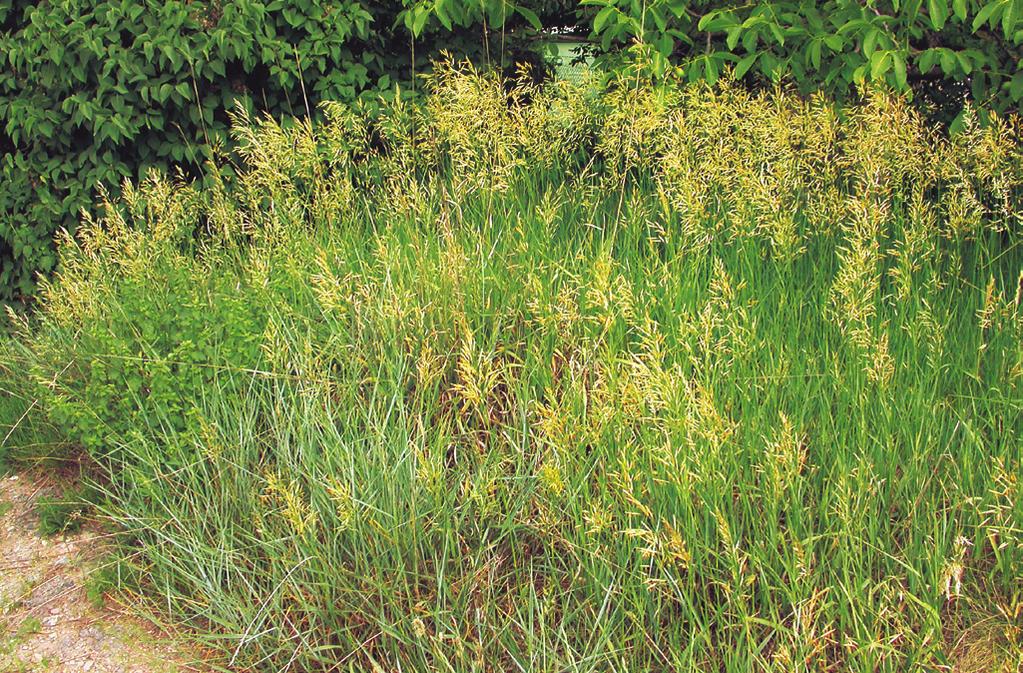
(10, 662)
(62, 514)
(28, 627)
(110, 574)
(579, 376)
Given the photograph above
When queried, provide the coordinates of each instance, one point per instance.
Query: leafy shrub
(95, 91)
(942, 50)
(724, 381)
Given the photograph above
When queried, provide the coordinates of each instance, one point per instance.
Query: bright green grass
(539, 430)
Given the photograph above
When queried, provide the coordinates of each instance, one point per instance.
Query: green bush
(944, 52)
(564, 378)
(93, 92)
(96, 91)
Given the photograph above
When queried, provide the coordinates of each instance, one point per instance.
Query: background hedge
(945, 51)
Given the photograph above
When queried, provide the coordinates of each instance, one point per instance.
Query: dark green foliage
(945, 51)
(94, 91)
(837, 45)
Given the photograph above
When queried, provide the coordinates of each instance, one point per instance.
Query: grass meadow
(583, 377)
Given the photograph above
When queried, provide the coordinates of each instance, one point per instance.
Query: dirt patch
(47, 622)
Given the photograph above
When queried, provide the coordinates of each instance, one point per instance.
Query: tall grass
(576, 378)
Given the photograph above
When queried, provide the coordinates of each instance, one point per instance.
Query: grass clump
(577, 377)
(62, 514)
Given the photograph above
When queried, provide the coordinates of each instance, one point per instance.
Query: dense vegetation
(942, 50)
(577, 377)
(95, 91)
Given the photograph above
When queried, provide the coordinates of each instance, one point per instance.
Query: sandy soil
(47, 623)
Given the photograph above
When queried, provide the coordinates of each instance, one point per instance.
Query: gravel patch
(46, 622)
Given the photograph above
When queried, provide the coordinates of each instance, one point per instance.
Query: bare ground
(47, 622)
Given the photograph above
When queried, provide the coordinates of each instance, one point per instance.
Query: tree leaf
(665, 45)
(733, 37)
(986, 13)
(530, 16)
(602, 17)
(964, 62)
(870, 42)
(744, 65)
(419, 20)
(937, 10)
(834, 42)
(442, 14)
(899, 64)
(1016, 86)
(1009, 17)
(711, 69)
(880, 63)
(814, 53)
(706, 19)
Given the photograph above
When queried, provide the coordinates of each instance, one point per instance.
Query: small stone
(92, 633)
(54, 611)
(87, 666)
(50, 621)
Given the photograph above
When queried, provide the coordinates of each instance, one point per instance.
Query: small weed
(29, 627)
(60, 515)
(108, 576)
(10, 662)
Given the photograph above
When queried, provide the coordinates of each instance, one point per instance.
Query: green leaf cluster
(957, 49)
